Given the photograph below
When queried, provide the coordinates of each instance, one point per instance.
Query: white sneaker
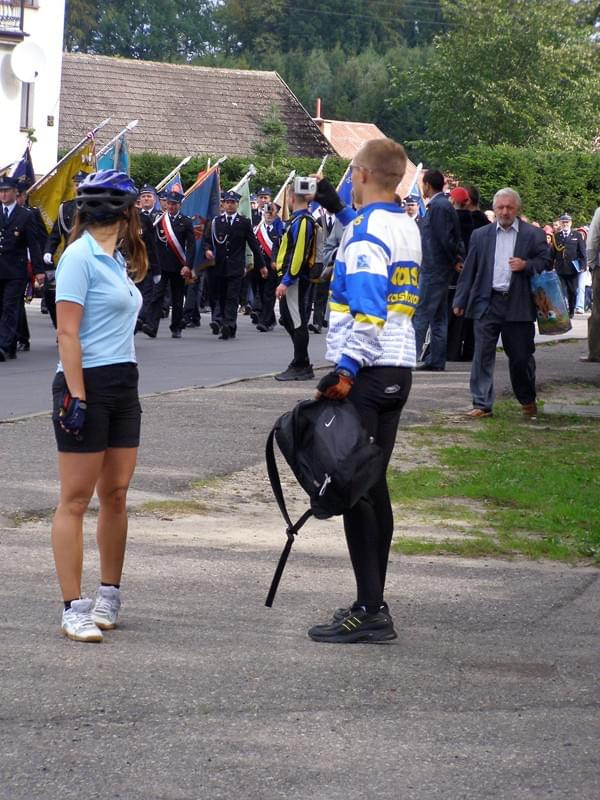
(106, 608)
(77, 622)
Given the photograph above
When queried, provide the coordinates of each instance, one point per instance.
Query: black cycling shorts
(113, 413)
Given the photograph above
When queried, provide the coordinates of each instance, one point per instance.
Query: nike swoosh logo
(327, 424)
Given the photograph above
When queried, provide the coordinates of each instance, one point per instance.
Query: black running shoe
(342, 613)
(359, 626)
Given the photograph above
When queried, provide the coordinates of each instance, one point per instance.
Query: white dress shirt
(505, 248)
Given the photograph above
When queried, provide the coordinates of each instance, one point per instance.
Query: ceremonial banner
(174, 185)
(246, 209)
(201, 204)
(59, 187)
(344, 188)
(23, 170)
(415, 189)
(116, 157)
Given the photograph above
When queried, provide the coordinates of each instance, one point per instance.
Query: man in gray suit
(593, 264)
(494, 290)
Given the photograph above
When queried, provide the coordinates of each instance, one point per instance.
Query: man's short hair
(474, 193)
(435, 179)
(386, 159)
(507, 192)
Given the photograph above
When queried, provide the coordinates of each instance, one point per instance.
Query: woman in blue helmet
(96, 409)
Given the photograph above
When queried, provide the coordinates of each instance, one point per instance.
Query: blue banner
(201, 205)
(116, 157)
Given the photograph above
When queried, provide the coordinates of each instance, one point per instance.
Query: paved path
(490, 692)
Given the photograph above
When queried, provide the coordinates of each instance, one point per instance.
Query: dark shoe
(254, 317)
(262, 328)
(192, 325)
(342, 613)
(165, 313)
(314, 328)
(214, 327)
(24, 346)
(588, 360)
(296, 374)
(11, 355)
(224, 332)
(149, 331)
(429, 368)
(358, 626)
(247, 310)
(478, 413)
(175, 334)
(3, 355)
(530, 409)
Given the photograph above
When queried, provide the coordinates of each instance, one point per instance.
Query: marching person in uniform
(569, 259)
(148, 216)
(18, 234)
(225, 241)
(269, 233)
(176, 249)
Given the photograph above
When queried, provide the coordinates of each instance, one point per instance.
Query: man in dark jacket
(569, 259)
(443, 253)
(176, 245)
(494, 290)
(225, 241)
(17, 235)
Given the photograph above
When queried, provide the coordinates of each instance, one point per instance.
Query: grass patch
(21, 518)
(174, 508)
(535, 485)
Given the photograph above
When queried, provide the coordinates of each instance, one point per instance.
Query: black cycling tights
(379, 395)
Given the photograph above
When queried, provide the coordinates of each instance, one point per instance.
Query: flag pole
(66, 157)
(251, 172)
(208, 169)
(285, 184)
(322, 165)
(125, 130)
(173, 172)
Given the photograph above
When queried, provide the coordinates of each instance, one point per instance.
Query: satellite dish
(27, 61)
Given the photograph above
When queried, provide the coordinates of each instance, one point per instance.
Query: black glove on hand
(327, 196)
(335, 386)
(71, 414)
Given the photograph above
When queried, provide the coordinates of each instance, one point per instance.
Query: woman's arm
(68, 318)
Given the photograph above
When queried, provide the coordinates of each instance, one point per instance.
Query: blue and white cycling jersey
(375, 290)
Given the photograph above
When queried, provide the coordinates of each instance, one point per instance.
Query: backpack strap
(292, 527)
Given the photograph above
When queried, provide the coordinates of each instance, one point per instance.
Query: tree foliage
(273, 143)
(549, 182)
(510, 71)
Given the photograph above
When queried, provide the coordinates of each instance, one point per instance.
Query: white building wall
(44, 24)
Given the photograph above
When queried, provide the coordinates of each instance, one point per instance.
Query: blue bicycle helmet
(103, 195)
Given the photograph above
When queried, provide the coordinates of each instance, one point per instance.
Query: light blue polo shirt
(90, 277)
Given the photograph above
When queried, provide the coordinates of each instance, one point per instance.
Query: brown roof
(347, 137)
(182, 110)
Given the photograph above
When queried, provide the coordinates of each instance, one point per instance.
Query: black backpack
(333, 458)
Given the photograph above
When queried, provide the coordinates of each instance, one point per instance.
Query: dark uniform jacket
(62, 227)
(183, 228)
(228, 243)
(150, 240)
(474, 288)
(569, 247)
(17, 236)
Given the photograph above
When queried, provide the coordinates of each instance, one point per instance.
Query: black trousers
(226, 289)
(11, 300)
(174, 282)
(569, 287)
(379, 395)
(267, 312)
(320, 298)
(50, 299)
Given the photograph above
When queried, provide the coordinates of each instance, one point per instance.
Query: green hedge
(549, 182)
(151, 168)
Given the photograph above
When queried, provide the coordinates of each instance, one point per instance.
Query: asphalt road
(197, 359)
(489, 693)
